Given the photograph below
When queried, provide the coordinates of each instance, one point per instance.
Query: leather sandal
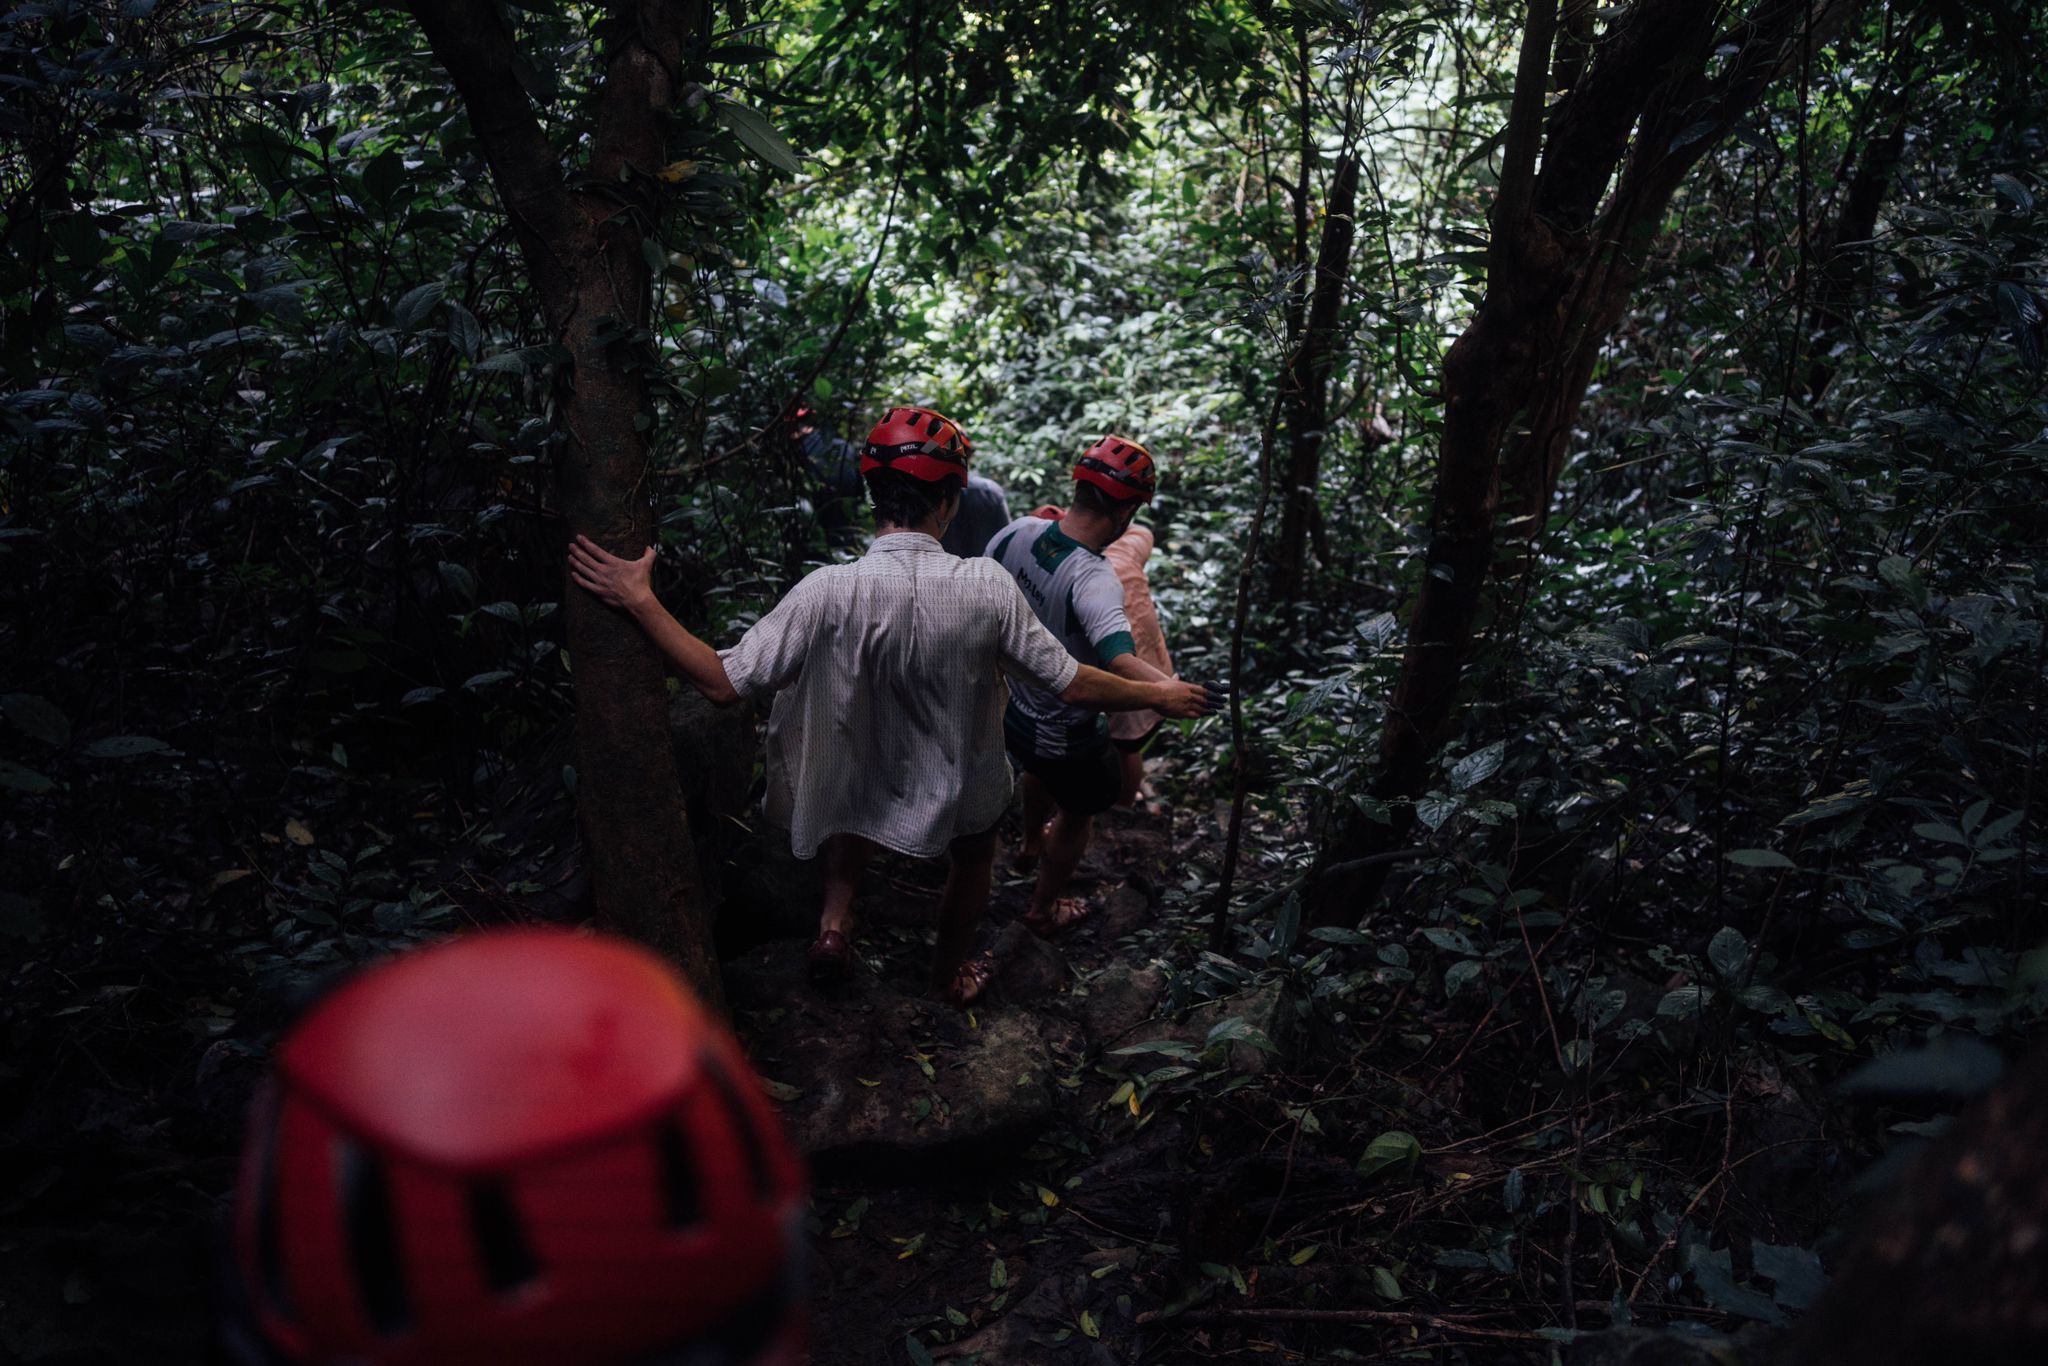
(1064, 913)
(831, 958)
(970, 981)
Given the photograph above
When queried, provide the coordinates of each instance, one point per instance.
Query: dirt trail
(973, 1191)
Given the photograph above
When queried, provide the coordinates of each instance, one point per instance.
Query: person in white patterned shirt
(887, 725)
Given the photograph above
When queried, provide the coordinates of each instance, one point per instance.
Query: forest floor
(1007, 1184)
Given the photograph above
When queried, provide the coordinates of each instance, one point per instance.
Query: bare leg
(1134, 777)
(1066, 839)
(1038, 809)
(845, 857)
(962, 903)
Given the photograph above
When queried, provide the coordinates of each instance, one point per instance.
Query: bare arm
(629, 586)
(1128, 665)
(1099, 690)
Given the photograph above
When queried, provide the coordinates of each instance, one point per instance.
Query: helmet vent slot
(372, 1235)
(507, 1258)
(751, 1143)
(682, 1204)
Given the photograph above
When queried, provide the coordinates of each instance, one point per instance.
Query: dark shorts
(1084, 784)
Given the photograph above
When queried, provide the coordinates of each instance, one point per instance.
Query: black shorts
(1084, 784)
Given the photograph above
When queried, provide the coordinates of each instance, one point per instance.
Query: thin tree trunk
(584, 251)
(1307, 381)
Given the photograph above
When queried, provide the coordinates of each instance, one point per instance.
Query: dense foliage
(1743, 792)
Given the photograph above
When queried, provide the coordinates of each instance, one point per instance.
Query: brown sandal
(831, 958)
(970, 981)
(1064, 913)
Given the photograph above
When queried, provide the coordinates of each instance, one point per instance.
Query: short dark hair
(900, 500)
(1089, 498)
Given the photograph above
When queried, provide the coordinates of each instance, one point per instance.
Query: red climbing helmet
(523, 1147)
(920, 443)
(1119, 467)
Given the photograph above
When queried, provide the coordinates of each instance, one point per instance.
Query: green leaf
(1795, 1274)
(37, 718)
(2015, 190)
(1760, 858)
(1450, 941)
(1685, 1002)
(1728, 952)
(1898, 571)
(1393, 1150)
(465, 333)
(998, 1274)
(1235, 1030)
(1434, 808)
(1710, 1272)
(1458, 975)
(1385, 1283)
(19, 779)
(1512, 1191)
(916, 1350)
(383, 176)
(415, 304)
(1287, 925)
(123, 747)
(760, 136)
(1478, 766)
(524, 358)
(459, 579)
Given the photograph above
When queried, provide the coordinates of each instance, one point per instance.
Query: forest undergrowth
(1718, 896)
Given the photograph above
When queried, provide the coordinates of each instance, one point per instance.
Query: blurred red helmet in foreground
(526, 1146)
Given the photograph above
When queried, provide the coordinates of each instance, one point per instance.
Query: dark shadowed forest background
(1606, 445)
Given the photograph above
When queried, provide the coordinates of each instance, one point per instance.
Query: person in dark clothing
(834, 464)
(984, 510)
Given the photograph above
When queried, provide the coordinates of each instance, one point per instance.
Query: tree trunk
(1307, 380)
(1845, 250)
(583, 249)
(1560, 268)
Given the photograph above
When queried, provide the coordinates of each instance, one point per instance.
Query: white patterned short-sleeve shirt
(889, 695)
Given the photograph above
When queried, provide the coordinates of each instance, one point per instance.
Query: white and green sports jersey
(1079, 598)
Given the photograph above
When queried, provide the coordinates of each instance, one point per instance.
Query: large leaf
(1728, 952)
(414, 305)
(1478, 766)
(36, 717)
(760, 136)
(1760, 858)
(1393, 1151)
(123, 747)
(18, 779)
(1795, 1274)
(521, 359)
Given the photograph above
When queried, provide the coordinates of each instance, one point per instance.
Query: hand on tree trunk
(616, 581)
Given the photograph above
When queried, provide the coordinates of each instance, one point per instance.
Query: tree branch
(1525, 128)
(474, 46)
